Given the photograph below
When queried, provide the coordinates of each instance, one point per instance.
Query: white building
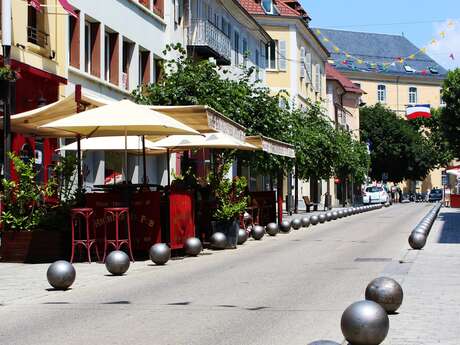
(115, 46)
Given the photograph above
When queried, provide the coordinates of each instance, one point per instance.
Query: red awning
(68, 8)
(22, 67)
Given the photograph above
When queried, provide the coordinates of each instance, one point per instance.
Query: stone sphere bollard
(305, 221)
(160, 253)
(285, 226)
(365, 323)
(61, 274)
(417, 240)
(314, 220)
(242, 236)
(328, 216)
(257, 232)
(193, 246)
(117, 262)
(296, 224)
(350, 211)
(335, 215)
(385, 291)
(272, 229)
(218, 240)
(340, 213)
(322, 218)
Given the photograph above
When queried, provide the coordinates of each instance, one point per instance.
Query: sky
(420, 21)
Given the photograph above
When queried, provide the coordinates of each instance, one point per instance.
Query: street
(289, 289)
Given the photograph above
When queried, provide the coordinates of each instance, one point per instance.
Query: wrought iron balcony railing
(207, 39)
(37, 37)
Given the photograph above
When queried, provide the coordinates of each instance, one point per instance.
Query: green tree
(397, 147)
(189, 82)
(450, 115)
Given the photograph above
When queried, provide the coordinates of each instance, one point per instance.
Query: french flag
(417, 111)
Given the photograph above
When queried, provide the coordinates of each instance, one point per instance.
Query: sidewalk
(430, 279)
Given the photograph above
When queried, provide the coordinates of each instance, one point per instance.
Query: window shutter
(282, 55)
(176, 12)
(302, 62)
(308, 67)
(317, 78)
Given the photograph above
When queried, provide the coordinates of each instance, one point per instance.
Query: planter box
(38, 246)
(229, 228)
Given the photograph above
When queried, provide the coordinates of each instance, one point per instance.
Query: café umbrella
(216, 140)
(121, 118)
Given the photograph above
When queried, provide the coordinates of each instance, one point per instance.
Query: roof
(380, 53)
(347, 84)
(291, 8)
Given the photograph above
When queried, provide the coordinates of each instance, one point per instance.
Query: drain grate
(372, 259)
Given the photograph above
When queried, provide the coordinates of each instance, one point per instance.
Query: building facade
(38, 56)
(392, 71)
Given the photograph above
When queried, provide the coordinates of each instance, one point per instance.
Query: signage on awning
(272, 146)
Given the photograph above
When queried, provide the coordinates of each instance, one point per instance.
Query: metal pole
(168, 167)
(296, 189)
(144, 160)
(79, 174)
(279, 187)
(9, 99)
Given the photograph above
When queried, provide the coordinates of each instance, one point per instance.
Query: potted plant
(6, 75)
(231, 200)
(29, 222)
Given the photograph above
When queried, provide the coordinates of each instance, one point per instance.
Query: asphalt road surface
(289, 289)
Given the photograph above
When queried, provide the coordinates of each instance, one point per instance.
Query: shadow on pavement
(450, 231)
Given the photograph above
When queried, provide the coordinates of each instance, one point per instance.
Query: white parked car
(375, 195)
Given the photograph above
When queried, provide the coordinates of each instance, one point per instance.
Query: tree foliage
(189, 82)
(450, 114)
(398, 148)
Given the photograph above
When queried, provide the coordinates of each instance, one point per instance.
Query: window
(236, 48)
(126, 62)
(107, 54)
(381, 93)
(87, 47)
(412, 95)
(225, 27)
(144, 67)
(36, 27)
(74, 42)
(257, 65)
(245, 52)
(270, 55)
(441, 99)
(267, 5)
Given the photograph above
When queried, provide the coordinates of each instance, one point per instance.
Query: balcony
(205, 40)
(37, 37)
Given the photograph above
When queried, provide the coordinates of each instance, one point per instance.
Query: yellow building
(295, 62)
(392, 71)
(38, 52)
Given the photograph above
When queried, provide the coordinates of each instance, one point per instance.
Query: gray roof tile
(378, 49)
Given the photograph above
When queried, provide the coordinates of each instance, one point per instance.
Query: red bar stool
(77, 216)
(117, 213)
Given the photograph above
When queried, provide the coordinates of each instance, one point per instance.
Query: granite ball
(117, 262)
(160, 253)
(385, 291)
(242, 236)
(61, 275)
(322, 218)
(218, 241)
(257, 232)
(285, 226)
(272, 229)
(296, 224)
(305, 221)
(193, 246)
(365, 323)
(335, 215)
(417, 240)
(314, 220)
